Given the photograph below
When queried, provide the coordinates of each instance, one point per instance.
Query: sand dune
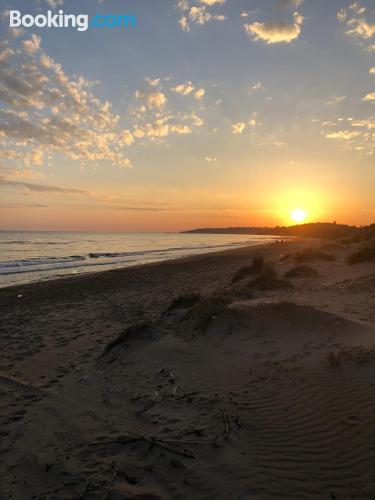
(231, 391)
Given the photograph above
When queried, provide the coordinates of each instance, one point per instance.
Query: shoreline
(86, 262)
(70, 278)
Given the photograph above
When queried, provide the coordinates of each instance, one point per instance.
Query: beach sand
(261, 388)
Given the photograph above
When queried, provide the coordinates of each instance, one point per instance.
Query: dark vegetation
(138, 331)
(311, 255)
(329, 230)
(351, 355)
(183, 302)
(267, 281)
(302, 272)
(255, 268)
(207, 310)
(364, 254)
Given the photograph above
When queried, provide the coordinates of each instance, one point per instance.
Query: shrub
(268, 280)
(364, 254)
(244, 272)
(311, 254)
(183, 302)
(302, 272)
(208, 309)
(351, 355)
(138, 330)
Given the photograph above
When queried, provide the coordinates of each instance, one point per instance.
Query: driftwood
(153, 441)
(227, 428)
(193, 393)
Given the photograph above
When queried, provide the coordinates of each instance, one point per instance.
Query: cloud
(355, 134)
(345, 135)
(153, 82)
(290, 4)
(199, 94)
(372, 71)
(370, 97)
(187, 88)
(127, 137)
(256, 86)
(32, 45)
(357, 25)
(238, 128)
(211, 159)
(278, 32)
(55, 3)
(212, 2)
(45, 112)
(41, 188)
(198, 12)
(336, 99)
(183, 88)
(155, 99)
(22, 205)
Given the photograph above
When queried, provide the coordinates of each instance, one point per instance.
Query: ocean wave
(98, 255)
(53, 263)
(41, 260)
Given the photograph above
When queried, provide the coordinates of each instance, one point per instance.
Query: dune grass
(267, 281)
(302, 272)
(138, 330)
(350, 355)
(311, 255)
(183, 302)
(255, 268)
(364, 254)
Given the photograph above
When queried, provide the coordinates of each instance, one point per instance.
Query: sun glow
(298, 215)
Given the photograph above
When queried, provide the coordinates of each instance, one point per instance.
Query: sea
(37, 256)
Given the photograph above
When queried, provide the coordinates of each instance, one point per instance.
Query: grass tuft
(302, 272)
(364, 254)
(312, 254)
(183, 302)
(244, 272)
(351, 355)
(268, 280)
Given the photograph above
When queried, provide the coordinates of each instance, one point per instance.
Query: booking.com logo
(82, 22)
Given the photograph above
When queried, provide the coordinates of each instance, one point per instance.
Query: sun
(298, 215)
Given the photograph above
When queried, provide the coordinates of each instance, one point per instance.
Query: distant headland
(311, 230)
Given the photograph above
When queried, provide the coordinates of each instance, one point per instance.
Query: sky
(205, 113)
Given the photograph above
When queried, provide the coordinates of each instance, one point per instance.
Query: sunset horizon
(131, 136)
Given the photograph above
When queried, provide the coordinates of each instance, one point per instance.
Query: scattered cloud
(153, 82)
(55, 3)
(45, 112)
(211, 159)
(32, 45)
(277, 32)
(355, 134)
(155, 100)
(199, 94)
(345, 135)
(198, 12)
(187, 88)
(41, 188)
(238, 128)
(212, 2)
(255, 86)
(290, 4)
(183, 88)
(336, 99)
(357, 24)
